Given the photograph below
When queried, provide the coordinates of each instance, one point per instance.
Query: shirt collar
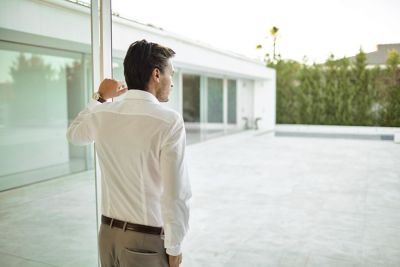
(141, 95)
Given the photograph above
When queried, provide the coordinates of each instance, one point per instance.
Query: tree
(274, 33)
(392, 95)
(32, 78)
(338, 92)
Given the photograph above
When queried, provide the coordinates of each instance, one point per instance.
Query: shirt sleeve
(176, 188)
(80, 132)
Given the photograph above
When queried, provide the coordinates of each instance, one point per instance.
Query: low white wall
(337, 129)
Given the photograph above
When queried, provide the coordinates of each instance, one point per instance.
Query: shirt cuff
(174, 251)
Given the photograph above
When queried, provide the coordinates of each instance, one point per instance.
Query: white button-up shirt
(140, 145)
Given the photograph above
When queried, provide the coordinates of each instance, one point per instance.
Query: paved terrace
(258, 200)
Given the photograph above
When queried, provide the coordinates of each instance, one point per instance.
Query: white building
(45, 80)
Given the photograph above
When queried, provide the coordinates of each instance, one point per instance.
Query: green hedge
(338, 92)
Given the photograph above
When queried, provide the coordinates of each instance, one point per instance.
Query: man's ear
(156, 74)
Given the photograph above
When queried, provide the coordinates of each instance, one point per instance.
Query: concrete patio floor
(258, 200)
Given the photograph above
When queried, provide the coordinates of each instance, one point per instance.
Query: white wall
(245, 95)
(71, 22)
(189, 55)
(265, 103)
(46, 18)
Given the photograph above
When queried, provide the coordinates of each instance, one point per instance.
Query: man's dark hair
(140, 61)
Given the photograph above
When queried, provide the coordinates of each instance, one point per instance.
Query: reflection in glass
(232, 102)
(191, 98)
(118, 74)
(118, 69)
(215, 100)
(40, 93)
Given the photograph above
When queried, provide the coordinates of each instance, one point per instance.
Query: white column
(105, 39)
(101, 41)
(95, 31)
(101, 65)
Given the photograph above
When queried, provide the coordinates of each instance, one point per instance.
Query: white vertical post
(105, 39)
(101, 41)
(95, 31)
(101, 66)
(95, 34)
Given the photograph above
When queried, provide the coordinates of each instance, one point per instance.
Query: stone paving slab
(258, 200)
(287, 201)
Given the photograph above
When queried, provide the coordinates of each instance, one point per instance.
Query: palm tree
(274, 33)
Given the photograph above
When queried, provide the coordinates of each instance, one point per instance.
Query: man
(140, 145)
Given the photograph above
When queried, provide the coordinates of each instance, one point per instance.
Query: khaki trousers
(120, 248)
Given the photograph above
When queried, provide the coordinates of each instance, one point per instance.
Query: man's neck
(152, 91)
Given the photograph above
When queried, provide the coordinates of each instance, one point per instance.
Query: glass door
(47, 186)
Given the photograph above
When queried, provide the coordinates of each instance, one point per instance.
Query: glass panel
(118, 69)
(47, 198)
(191, 98)
(232, 102)
(215, 100)
(118, 74)
(41, 92)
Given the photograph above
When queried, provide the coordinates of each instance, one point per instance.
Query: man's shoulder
(107, 106)
(170, 115)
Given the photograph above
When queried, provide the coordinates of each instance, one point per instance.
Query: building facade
(46, 79)
(380, 56)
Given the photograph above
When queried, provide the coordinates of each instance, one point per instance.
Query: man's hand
(174, 261)
(111, 88)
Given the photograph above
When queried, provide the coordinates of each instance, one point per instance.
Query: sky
(310, 28)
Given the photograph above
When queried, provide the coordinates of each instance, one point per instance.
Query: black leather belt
(132, 226)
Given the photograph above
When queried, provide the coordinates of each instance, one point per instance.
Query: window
(191, 98)
(232, 102)
(215, 100)
(41, 90)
